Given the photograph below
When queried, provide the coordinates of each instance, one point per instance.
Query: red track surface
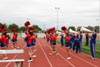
(44, 60)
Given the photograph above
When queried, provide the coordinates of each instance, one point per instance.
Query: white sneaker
(6, 58)
(17, 47)
(57, 54)
(92, 58)
(30, 60)
(35, 50)
(68, 58)
(50, 54)
(53, 51)
(12, 47)
(34, 56)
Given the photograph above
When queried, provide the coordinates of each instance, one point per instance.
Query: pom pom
(53, 28)
(63, 28)
(31, 28)
(13, 30)
(45, 32)
(26, 33)
(27, 23)
(2, 26)
(3, 30)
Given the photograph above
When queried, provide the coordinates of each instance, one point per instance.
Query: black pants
(87, 42)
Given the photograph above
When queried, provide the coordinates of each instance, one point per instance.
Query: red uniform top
(29, 38)
(47, 36)
(7, 39)
(14, 37)
(54, 38)
(33, 38)
(3, 38)
(67, 39)
(51, 38)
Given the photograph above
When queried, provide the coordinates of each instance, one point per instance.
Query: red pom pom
(3, 30)
(31, 28)
(63, 28)
(27, 23)
(53, 28)
(13, 30)
(6, 31)
(26, 33)
(2, 26)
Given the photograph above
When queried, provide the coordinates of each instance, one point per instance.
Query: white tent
(85, 29)
(72, 31)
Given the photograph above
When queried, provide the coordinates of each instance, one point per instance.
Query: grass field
(86, 49)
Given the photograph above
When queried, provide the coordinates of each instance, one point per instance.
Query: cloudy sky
(40, 12)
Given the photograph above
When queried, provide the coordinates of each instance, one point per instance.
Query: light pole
(44, 27)
(98, 20)
(57, 8)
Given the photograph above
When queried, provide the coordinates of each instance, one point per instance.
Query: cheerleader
(14, 39)
(29, 46)
(71, 40)
(54, 38)
(77, 44)
(80, 40)
(7, 40)
(28, 40)
(47, 36)
(62, 39)
(33, 39)
(4, 44)
(3, 40)
(92, 44)
(67, 45)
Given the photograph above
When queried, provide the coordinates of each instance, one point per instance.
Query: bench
(16, 61)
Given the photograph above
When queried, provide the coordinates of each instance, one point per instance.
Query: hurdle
(16, 61)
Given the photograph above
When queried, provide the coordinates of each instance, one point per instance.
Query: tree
(23, 29)
(13, 26)
(90, 28)
(96, 28)
(72, 27)
(78, 28)
(36, 28)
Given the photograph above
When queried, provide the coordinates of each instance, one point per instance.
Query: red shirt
(29, 38)
(54, 38)
(47, 36)
(3, 38)
(7, 39)
(14, 37)
(67, 38)
(33, 38)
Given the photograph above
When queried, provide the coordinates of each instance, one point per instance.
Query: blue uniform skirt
(3, 46)
(54, 43)
(29, 45)
(67, 45)
(50, 41)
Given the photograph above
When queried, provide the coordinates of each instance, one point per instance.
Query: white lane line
(13, 57)
(61, 56)
(45, 55)
(80, 58)
(29, 65)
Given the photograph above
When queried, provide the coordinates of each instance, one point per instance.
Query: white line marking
(29, 65)
(45, 55)
(61, 56)
(13, 57)
(80, 58)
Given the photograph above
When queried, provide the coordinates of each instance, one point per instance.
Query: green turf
(86, 49)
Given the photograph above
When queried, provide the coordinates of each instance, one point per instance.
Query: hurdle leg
(21, 64)
(16, 64)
